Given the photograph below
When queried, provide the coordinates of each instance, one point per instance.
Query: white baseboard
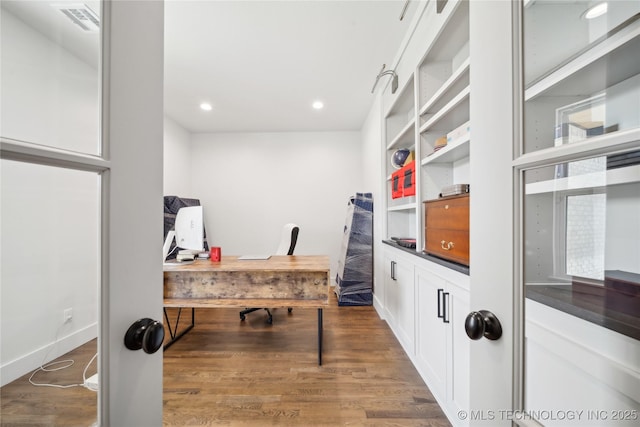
(16, 368)
(379, 307)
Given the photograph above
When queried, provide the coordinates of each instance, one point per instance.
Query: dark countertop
(586, 306)
(452, 265)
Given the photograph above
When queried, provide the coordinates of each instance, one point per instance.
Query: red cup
(215, 254)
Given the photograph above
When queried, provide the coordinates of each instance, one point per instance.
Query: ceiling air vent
(81, 15)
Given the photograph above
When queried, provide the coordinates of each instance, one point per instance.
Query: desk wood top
(275, 263)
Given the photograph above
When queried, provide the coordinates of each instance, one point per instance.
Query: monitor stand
(167, 245)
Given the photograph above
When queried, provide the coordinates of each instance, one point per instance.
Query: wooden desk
(281, 281)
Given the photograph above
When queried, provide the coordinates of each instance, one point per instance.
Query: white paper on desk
(250, 257)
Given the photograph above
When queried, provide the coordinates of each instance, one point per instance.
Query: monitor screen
(190, 229)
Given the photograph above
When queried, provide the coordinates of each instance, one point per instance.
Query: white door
(132, 388)
(125, 168)
(554, 211)
(491, 210)
(580, 213)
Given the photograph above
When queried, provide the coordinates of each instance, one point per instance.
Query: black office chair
(287, 245)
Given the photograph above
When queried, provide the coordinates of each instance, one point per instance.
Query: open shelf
(592, 70)
(458, 74)
(403, 207)
(625, 175)
(451, 153)
(405, 135)
(451, 111)
(400, 116)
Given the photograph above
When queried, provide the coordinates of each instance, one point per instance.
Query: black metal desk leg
(173, 332)
(319, 336)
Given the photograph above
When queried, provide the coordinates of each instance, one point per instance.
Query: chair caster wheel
(270, 320)
(242, 317)
(289, 310)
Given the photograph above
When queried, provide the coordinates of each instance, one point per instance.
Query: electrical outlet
(68, 315)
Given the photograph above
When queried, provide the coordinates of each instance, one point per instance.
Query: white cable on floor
(69, 362)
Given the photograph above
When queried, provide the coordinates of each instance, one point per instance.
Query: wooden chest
(447, 228)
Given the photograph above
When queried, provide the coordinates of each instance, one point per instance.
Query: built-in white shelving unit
(432, 103)
(444, 95)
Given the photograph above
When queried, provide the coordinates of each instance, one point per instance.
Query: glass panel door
(51, 222)
(580, 174)
(50, 275)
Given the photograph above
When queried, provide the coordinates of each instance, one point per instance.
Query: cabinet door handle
(440, 313)
(446, 246)
(393, 270)
(445, 302)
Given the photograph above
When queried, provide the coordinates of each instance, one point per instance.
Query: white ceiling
(261, 64)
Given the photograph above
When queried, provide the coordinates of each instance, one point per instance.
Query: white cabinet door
(442, 348)
(431, 337)
(391, 296)
(458, 348)
(400, 298)
(406, 315)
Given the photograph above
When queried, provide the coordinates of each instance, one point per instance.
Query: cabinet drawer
(450, 213)
(447, 228)
(448, 244)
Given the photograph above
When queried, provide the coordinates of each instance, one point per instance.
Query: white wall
(251, 184)
(177, 160)
(371, 173)
(49, 217)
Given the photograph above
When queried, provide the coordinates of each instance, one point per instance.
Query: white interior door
(491, 217)
(554, 218)
(90, 129)
(132, 387)
(580, 213)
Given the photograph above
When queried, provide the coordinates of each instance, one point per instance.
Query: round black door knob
(146, 334)
(482, 323)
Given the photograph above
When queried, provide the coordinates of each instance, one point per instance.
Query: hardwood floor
(231, 373)
(227, 372)
(23, 404)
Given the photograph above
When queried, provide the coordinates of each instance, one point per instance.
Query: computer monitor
(188, 231)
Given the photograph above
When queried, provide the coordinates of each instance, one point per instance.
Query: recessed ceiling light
(597, 10)
(206, 106)
(318, 105)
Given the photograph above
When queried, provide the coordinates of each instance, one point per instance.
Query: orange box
(403, 181)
